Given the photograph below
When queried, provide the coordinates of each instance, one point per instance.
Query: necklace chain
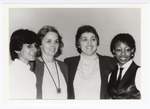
(58, 88)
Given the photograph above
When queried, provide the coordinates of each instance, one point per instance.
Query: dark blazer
(107, 65)
(38, 69)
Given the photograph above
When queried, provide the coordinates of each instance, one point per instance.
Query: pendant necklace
(58, 89)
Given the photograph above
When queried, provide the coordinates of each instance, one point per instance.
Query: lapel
(63, 70)
(103, 76)
(74, 65)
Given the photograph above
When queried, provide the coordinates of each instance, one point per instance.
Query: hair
(84, 29)
(124, 38)
(20, 37)
(43, 31)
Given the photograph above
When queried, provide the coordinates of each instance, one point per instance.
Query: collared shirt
(87, 82)
(138, 74)
(48, 87)
(21, 81)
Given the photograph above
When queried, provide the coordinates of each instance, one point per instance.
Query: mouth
(32, 55)
(123, 58)
(52, 50)
(89, 47)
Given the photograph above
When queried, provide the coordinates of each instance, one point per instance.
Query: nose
(123, 52)
(89, 42)
(53, 44)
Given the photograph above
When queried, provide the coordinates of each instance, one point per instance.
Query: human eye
(128, 49)
(84, 39)
(29, 45)
(57, 41)
(94, 39)
(118, 50)
(35, 45)
(48, 41)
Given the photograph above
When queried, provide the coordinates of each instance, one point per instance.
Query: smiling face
(88, 43)
(27, 53)
(50, 44)
(122, 52)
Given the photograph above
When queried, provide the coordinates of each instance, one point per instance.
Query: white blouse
(21, 81)
(48, 88)
(87, 82)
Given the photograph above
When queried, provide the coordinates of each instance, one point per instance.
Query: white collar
(126, 65)
(20, 63)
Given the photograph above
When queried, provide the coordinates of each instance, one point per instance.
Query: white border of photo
(143, 103)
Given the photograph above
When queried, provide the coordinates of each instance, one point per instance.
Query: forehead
(87, 35)
(121, 44)
(51, 35)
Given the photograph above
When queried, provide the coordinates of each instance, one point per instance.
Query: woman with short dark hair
(125, 80)
(23, 48)
(88, 72)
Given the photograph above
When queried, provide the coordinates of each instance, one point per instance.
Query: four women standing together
(80, 77)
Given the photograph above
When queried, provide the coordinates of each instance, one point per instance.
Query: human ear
(17, 52)
(114, 53)
(78, 45)
(132, 50)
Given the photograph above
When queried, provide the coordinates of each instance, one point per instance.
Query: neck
(89, 57)
(24, 61)
(48, 59)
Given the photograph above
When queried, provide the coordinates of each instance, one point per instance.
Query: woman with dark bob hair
(88, 72)
(23, 48)
(52, 74)
(125, 80)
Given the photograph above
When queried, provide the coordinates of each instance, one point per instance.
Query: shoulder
(37, 64)
(107, 59)
(62, 64)
(71, 59)
(13, 66)
(37, 61)
(136, 65)
(108, 62)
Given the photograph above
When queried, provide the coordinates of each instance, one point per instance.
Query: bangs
(30, 39)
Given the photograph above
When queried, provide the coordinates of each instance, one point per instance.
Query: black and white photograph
(75, 54)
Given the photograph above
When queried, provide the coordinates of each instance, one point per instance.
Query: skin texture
(50, 44)
(88, 43)
(27, 53)
(122, 53)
